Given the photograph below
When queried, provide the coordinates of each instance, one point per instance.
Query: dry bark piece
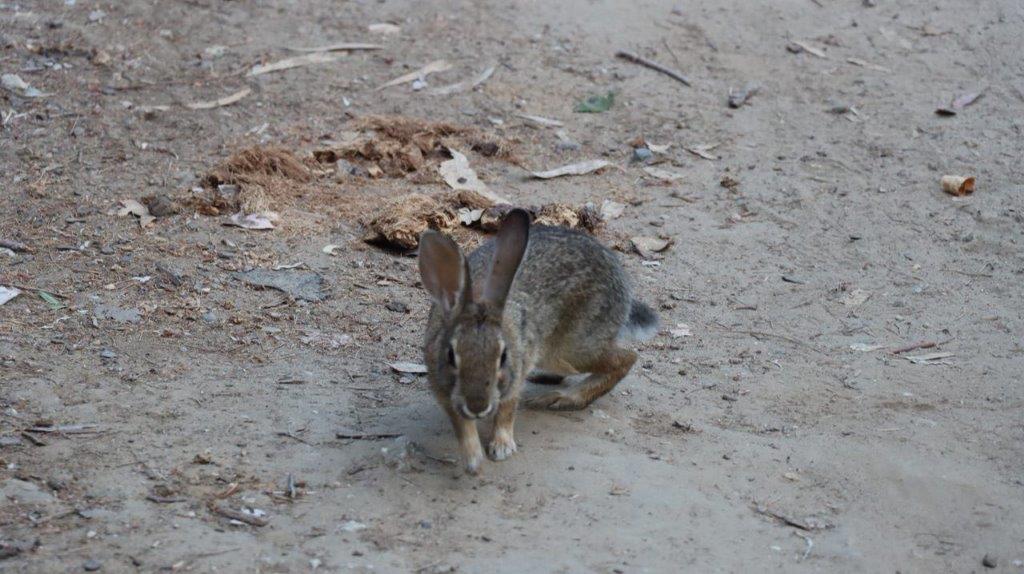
(399, 222)
(957, 185)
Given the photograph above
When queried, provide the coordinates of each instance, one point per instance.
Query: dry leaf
(645, 246)
(422, 73)
(681, 330)
(8, 293)
(460, 177)
(132, 207)
(855, 298)
(663, 174)
(465, 85)
(383, 28)
(255, 221)
(957, 185)
(469, 216)
(581, 168)
(703, 151)
(225, 101)
(296, 62)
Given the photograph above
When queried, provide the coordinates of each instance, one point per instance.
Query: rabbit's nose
(470, 413)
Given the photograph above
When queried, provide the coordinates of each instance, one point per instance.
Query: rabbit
(532, 300)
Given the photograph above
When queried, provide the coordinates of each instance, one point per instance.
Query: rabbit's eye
(451, 356)
(504, 357)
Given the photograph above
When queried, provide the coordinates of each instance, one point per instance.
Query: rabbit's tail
(641, 325)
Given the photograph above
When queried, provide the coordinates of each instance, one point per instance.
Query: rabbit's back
(570, 297)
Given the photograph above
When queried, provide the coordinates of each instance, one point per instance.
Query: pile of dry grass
(254, 180)
(396, 146)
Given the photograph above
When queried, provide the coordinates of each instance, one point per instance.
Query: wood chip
(957, 185)
(225, 101)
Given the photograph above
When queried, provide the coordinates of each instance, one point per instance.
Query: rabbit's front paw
(502, 445)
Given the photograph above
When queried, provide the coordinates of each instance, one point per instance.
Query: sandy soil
(762, 442)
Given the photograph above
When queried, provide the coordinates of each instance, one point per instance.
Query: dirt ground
(782, 434)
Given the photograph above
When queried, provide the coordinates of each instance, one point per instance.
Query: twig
(915, 346)
(291, 436)
(236, 515)
(66, 429)
(291, 486)
(810, 544)
(782, 517)
(37, 290)
(16, 246)
(164, 499)
(631, 57)
(367, 436)
(919, 345)
(32, 439)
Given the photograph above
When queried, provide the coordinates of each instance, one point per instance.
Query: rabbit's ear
(444, 270)
(510, 245)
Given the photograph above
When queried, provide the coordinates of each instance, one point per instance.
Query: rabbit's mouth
(463, 408)
(471, 415)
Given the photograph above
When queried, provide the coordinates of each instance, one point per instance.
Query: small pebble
(92, 565)
(989, 561)
(642, 154)
(397, 307)
(108, 354)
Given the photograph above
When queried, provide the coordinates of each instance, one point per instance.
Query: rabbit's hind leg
(605, 371)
